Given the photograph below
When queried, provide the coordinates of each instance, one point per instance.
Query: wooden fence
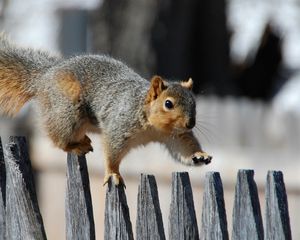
(20, 217)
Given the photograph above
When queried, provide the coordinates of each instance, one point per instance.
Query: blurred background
(244, 58)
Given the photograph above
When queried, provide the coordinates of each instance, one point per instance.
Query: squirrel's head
(170, 107)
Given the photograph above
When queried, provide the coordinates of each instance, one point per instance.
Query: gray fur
(112, 98)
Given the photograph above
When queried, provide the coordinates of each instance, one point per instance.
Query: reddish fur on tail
(19, 70)
(13, 90)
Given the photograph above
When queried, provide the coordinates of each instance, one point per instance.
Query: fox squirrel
(95, 93)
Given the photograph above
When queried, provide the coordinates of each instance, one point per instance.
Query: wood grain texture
(2, 193)
(149, 223)
(277, 213)
(117, 224)
(182, 217)
(79, 209)
(20, 216)
(214, 221)
(23, 218)
(247, 220)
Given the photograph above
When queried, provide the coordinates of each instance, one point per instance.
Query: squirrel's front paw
(116, 178)
(200, 158)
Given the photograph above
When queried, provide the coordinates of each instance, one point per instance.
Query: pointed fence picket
(78, 202)
(214, 221)
(20, 217)
(149, 223)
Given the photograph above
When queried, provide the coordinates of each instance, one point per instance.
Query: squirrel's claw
(82, 147)
(116, 178)
(201, 157)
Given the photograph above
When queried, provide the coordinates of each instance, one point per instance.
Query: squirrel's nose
(190, 124)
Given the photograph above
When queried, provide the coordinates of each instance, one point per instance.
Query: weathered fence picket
(149, 223)
(214, 221)
(247, 220)
(79, 209)
(277, 225)
(182, 218)
(2, 193)
(117, 224)
(20, 217)
(23, 218)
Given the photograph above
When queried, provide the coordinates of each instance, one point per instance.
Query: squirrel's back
(108, 86)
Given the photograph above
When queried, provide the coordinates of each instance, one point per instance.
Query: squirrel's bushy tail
(19, 70)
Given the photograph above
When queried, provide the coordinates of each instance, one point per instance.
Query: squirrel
(97, 93)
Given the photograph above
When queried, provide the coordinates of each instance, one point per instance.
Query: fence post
(149, 223)
(214, 221)
(79, 209)
(2, 193)
(182, 218)
(277, 213)
(117, 224)
(247, 220)
(23, 219)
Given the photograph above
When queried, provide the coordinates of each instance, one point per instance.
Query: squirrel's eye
(169, 104)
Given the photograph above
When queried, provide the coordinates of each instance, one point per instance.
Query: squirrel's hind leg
(64, 113)
(79, 146)
(68, 136)
(65, 122)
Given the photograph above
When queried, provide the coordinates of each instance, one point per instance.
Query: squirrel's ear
(188, 84)
(156, 87)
